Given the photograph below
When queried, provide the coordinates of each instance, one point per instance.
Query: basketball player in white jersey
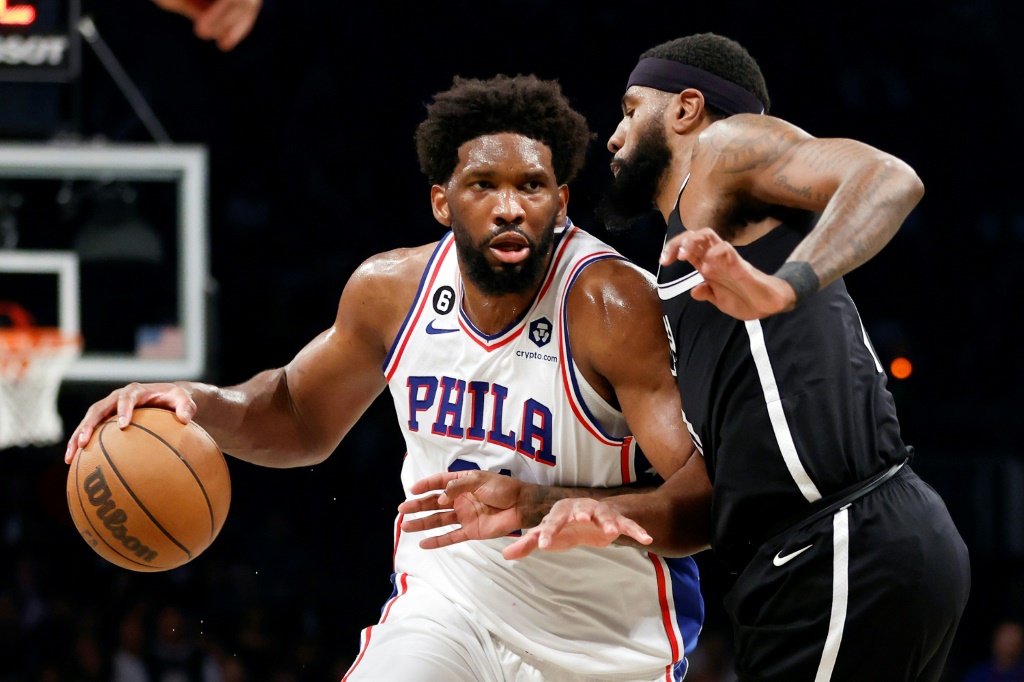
(517, 344)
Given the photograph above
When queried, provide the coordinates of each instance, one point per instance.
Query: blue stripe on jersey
(645, 472)
(419, 291)
(687, 599)
(568, 351)
(497, 335)
(394, 593)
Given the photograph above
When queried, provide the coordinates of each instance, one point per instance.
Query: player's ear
(686, 110)
(563, 200)
(439, 203)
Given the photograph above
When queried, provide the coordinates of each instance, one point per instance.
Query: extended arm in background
(863, 195)
(227, 22)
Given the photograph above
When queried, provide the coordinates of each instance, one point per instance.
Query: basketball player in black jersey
(849, 566)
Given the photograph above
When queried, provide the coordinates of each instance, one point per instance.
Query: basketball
(151, 496)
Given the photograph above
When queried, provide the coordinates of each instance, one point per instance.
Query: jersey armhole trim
(416, 309)
(569, 377)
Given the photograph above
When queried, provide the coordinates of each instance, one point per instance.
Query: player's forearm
(677, 529)
(678, 518)
(535, 501)
(677, 514)
(865, 212)
(256, 421)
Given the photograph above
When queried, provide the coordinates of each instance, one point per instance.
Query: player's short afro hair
(719, 55)
(526, 105)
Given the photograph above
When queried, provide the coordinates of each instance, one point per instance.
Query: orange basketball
(151, 496)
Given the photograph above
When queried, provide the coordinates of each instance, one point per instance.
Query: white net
(32, 366)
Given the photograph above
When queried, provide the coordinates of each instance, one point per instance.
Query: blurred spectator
(175, 655)
(9, 634)
(1007, 662)
(129, 663)
(89, 664)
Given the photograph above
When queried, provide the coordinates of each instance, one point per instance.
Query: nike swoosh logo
(780, 560)
(431, 329)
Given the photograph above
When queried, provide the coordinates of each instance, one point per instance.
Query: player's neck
(492, 314)
(672, 181)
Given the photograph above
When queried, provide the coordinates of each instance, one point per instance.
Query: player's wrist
(535, 501)
(800, 276)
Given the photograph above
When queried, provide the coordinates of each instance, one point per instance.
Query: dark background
(309, 125)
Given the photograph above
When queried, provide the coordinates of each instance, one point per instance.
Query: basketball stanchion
(33, 361)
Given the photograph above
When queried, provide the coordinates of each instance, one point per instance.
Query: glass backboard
(111, 238)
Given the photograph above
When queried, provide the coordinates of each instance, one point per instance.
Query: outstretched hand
(731, 284)
(122, 402)
(482, 503)
(574, 522)
(227, 22)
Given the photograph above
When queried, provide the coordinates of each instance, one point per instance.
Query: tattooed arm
(863, 195)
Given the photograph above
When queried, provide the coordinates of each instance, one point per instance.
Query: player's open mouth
(510, 248)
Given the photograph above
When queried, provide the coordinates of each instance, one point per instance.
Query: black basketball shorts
(870, 593)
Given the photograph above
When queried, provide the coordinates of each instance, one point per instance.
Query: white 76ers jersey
(514, 403)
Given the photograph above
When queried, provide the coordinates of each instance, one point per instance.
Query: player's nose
(618, 138)
(508, 206)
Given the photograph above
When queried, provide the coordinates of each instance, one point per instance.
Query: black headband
(673, 76)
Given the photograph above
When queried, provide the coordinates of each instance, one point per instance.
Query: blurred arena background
(305, 135)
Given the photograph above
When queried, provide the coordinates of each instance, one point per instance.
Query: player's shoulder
(386, 282)
(743, 141)
(614, 282)
(745, 128)
(395, 269)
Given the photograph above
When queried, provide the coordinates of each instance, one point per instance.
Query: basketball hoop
(33, 361)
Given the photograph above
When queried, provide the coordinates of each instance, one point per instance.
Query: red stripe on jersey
(369, 631)
(404, 581)
(423, 302)
(398, 534)
(359, 658)
(558, 257)
(474, 334)
(565, 359)
(666, 614)
(580, 417)
(625, 459)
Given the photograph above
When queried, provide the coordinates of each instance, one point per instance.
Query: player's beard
(503, 278)
(630, 195)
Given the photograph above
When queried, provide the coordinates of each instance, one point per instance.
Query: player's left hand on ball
(574, 522)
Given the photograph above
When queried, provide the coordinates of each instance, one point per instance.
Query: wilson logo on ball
(114, 519)
(151, 496)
